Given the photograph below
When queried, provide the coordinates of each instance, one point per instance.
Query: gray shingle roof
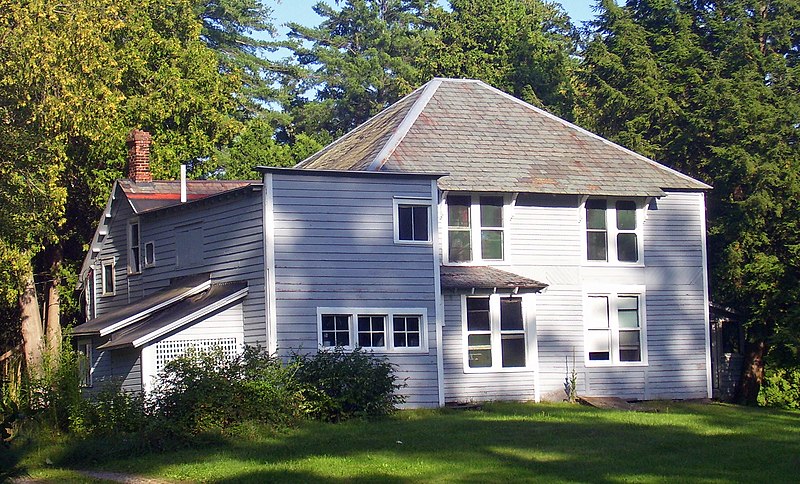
(490, 141)
(485, 277)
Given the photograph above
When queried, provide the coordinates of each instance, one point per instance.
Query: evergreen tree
(711, 87)
(522, 47)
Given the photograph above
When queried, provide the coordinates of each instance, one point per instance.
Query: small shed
(727, 345)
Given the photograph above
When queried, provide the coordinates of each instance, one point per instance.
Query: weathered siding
(546, 244)
(227, 242)
(334, 247)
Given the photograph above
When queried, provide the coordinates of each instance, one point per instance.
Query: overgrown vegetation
(781, 388)
(499, 443)
(206, 394)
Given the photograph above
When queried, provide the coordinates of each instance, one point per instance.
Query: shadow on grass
(508, 442)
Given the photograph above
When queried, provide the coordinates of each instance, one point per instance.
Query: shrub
(206, 391)
(112, 410)
(341, 385)
(781, 388)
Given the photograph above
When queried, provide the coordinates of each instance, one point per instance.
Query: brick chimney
(139, 156)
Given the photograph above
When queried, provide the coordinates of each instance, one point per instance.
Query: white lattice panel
(167, 351)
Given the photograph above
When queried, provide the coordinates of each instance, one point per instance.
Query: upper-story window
(134, 248)
(91, 290)
(613, 231)
(109, 284)
(475, 228)
(412, 221)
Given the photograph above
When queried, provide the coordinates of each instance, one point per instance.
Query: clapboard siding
(334, 247)
(546, 244)
(230, 242)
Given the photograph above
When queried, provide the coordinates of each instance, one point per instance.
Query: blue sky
(300, 11)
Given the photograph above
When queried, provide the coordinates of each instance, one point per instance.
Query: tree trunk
(53, 310)
(752, 372)
(31, 325)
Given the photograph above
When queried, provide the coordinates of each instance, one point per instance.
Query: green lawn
(502, 442)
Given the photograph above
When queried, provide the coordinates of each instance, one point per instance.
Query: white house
(483, 245)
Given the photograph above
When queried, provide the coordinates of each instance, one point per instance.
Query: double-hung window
(495, 333)
(134, 248)
(412, 221)
(613, 231)
(109, 284)
(614, 325)
(391, 330)
(475, 228)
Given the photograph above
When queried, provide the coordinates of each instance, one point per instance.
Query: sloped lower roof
(488, 141)
(155, 195)
(178, 289)
(485, 277)
(177, 315)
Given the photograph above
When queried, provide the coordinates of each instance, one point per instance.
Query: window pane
(363, 323)
(627, 250)
(134, 235)
(480, 350)
(626, 215)
(629, 346)
(597, 312)
(399, 325)
(327, 323)
(599, 356)
(108, 279)
(364, 340)
(492, 244)
(420, 223)
(511, 313)
(598, 340)
(628, 302)
(459, 246)
(630, 355)
(413, 340)
(342, 338)
(513, 350)
(412, 324)
(400, 340)
(405, 223)
(596, 246)
(596, 214)
(628, 318)
(135, 260)
(343, 322)
(478, 314)
(149, 253)
(491, 211)
(458, 211)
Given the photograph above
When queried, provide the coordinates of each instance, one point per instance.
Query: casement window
(495, 333)
(475, 228)
(134, 248)
(85, 363)
(615, 328)
(613, 231)
(108, 282)
(149, 254)
(391, 330)
(412, 221)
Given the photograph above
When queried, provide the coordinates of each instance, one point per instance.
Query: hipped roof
(489, 141)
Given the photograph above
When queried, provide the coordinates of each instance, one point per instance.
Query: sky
(300, 11)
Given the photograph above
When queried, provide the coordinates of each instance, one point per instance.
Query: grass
(503, 442)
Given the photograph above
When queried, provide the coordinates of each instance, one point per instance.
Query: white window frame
(397, 202)
(113, 264)
(528, 327)
(613, 295)
(135, 252)
(475, 229)
(144, 254)
(389, 314)
(612, 231)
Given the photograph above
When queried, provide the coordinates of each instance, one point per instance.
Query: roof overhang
(482, 279)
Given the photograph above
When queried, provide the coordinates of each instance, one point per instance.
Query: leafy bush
(341, 384)
(111, 411)
(204, 391)
(53, 390)
(781, 388)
